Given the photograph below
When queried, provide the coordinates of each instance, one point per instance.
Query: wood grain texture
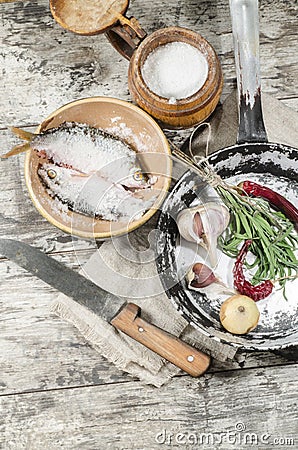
(129, 416)
(187, 358)
(87, 17)
(38, 350)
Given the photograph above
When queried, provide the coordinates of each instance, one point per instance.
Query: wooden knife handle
(183, 355)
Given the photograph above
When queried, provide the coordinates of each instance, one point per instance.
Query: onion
(239, 314)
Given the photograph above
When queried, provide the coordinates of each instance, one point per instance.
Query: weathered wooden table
(56, 391)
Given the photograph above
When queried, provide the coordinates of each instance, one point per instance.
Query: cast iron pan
(251, 154)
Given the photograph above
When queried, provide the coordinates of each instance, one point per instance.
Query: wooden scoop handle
(126, 35)
(171, 348)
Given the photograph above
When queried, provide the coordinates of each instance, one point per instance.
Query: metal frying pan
(252, 154)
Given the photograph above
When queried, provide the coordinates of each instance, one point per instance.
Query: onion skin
(275, 199)
(239, 314)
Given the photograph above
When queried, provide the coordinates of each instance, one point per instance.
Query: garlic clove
(239, 314)
(200, 276)
(215, 220)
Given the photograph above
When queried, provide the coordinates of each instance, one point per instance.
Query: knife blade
(124, 316)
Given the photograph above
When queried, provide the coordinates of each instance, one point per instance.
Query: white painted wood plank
(39, 350)
(131, 416)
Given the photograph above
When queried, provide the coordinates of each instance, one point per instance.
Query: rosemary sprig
(273, 236)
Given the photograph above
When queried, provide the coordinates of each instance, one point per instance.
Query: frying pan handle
(245, 25)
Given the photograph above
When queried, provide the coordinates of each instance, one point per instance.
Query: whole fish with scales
(92, 195)
(88, 150)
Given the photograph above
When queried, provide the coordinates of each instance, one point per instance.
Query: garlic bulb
(203, 224)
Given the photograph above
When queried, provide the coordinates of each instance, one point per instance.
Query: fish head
(137, 179)
(54, 175)
(51, 174)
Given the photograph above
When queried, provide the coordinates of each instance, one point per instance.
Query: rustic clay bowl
(144, 136)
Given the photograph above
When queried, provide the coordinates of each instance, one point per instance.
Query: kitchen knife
(124, 316)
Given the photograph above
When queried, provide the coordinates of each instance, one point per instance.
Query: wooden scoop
(89, 17)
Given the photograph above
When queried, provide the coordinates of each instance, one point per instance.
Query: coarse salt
(93, 195)
(175, 71)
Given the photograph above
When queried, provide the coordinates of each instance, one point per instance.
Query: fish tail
(16, 150)
(26, 135)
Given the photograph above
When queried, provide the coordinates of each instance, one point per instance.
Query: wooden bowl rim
(135, 224)
(95, 31)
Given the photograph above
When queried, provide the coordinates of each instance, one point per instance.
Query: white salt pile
(175, 70)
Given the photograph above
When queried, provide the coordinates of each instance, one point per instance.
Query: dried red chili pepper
(258, 292)
(275, 199)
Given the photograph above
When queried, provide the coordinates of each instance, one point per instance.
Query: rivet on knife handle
(184, 356)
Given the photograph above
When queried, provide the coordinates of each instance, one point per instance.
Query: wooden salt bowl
(187, 111)
(90, 17)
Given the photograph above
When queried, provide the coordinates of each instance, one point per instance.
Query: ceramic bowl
(124, 120)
